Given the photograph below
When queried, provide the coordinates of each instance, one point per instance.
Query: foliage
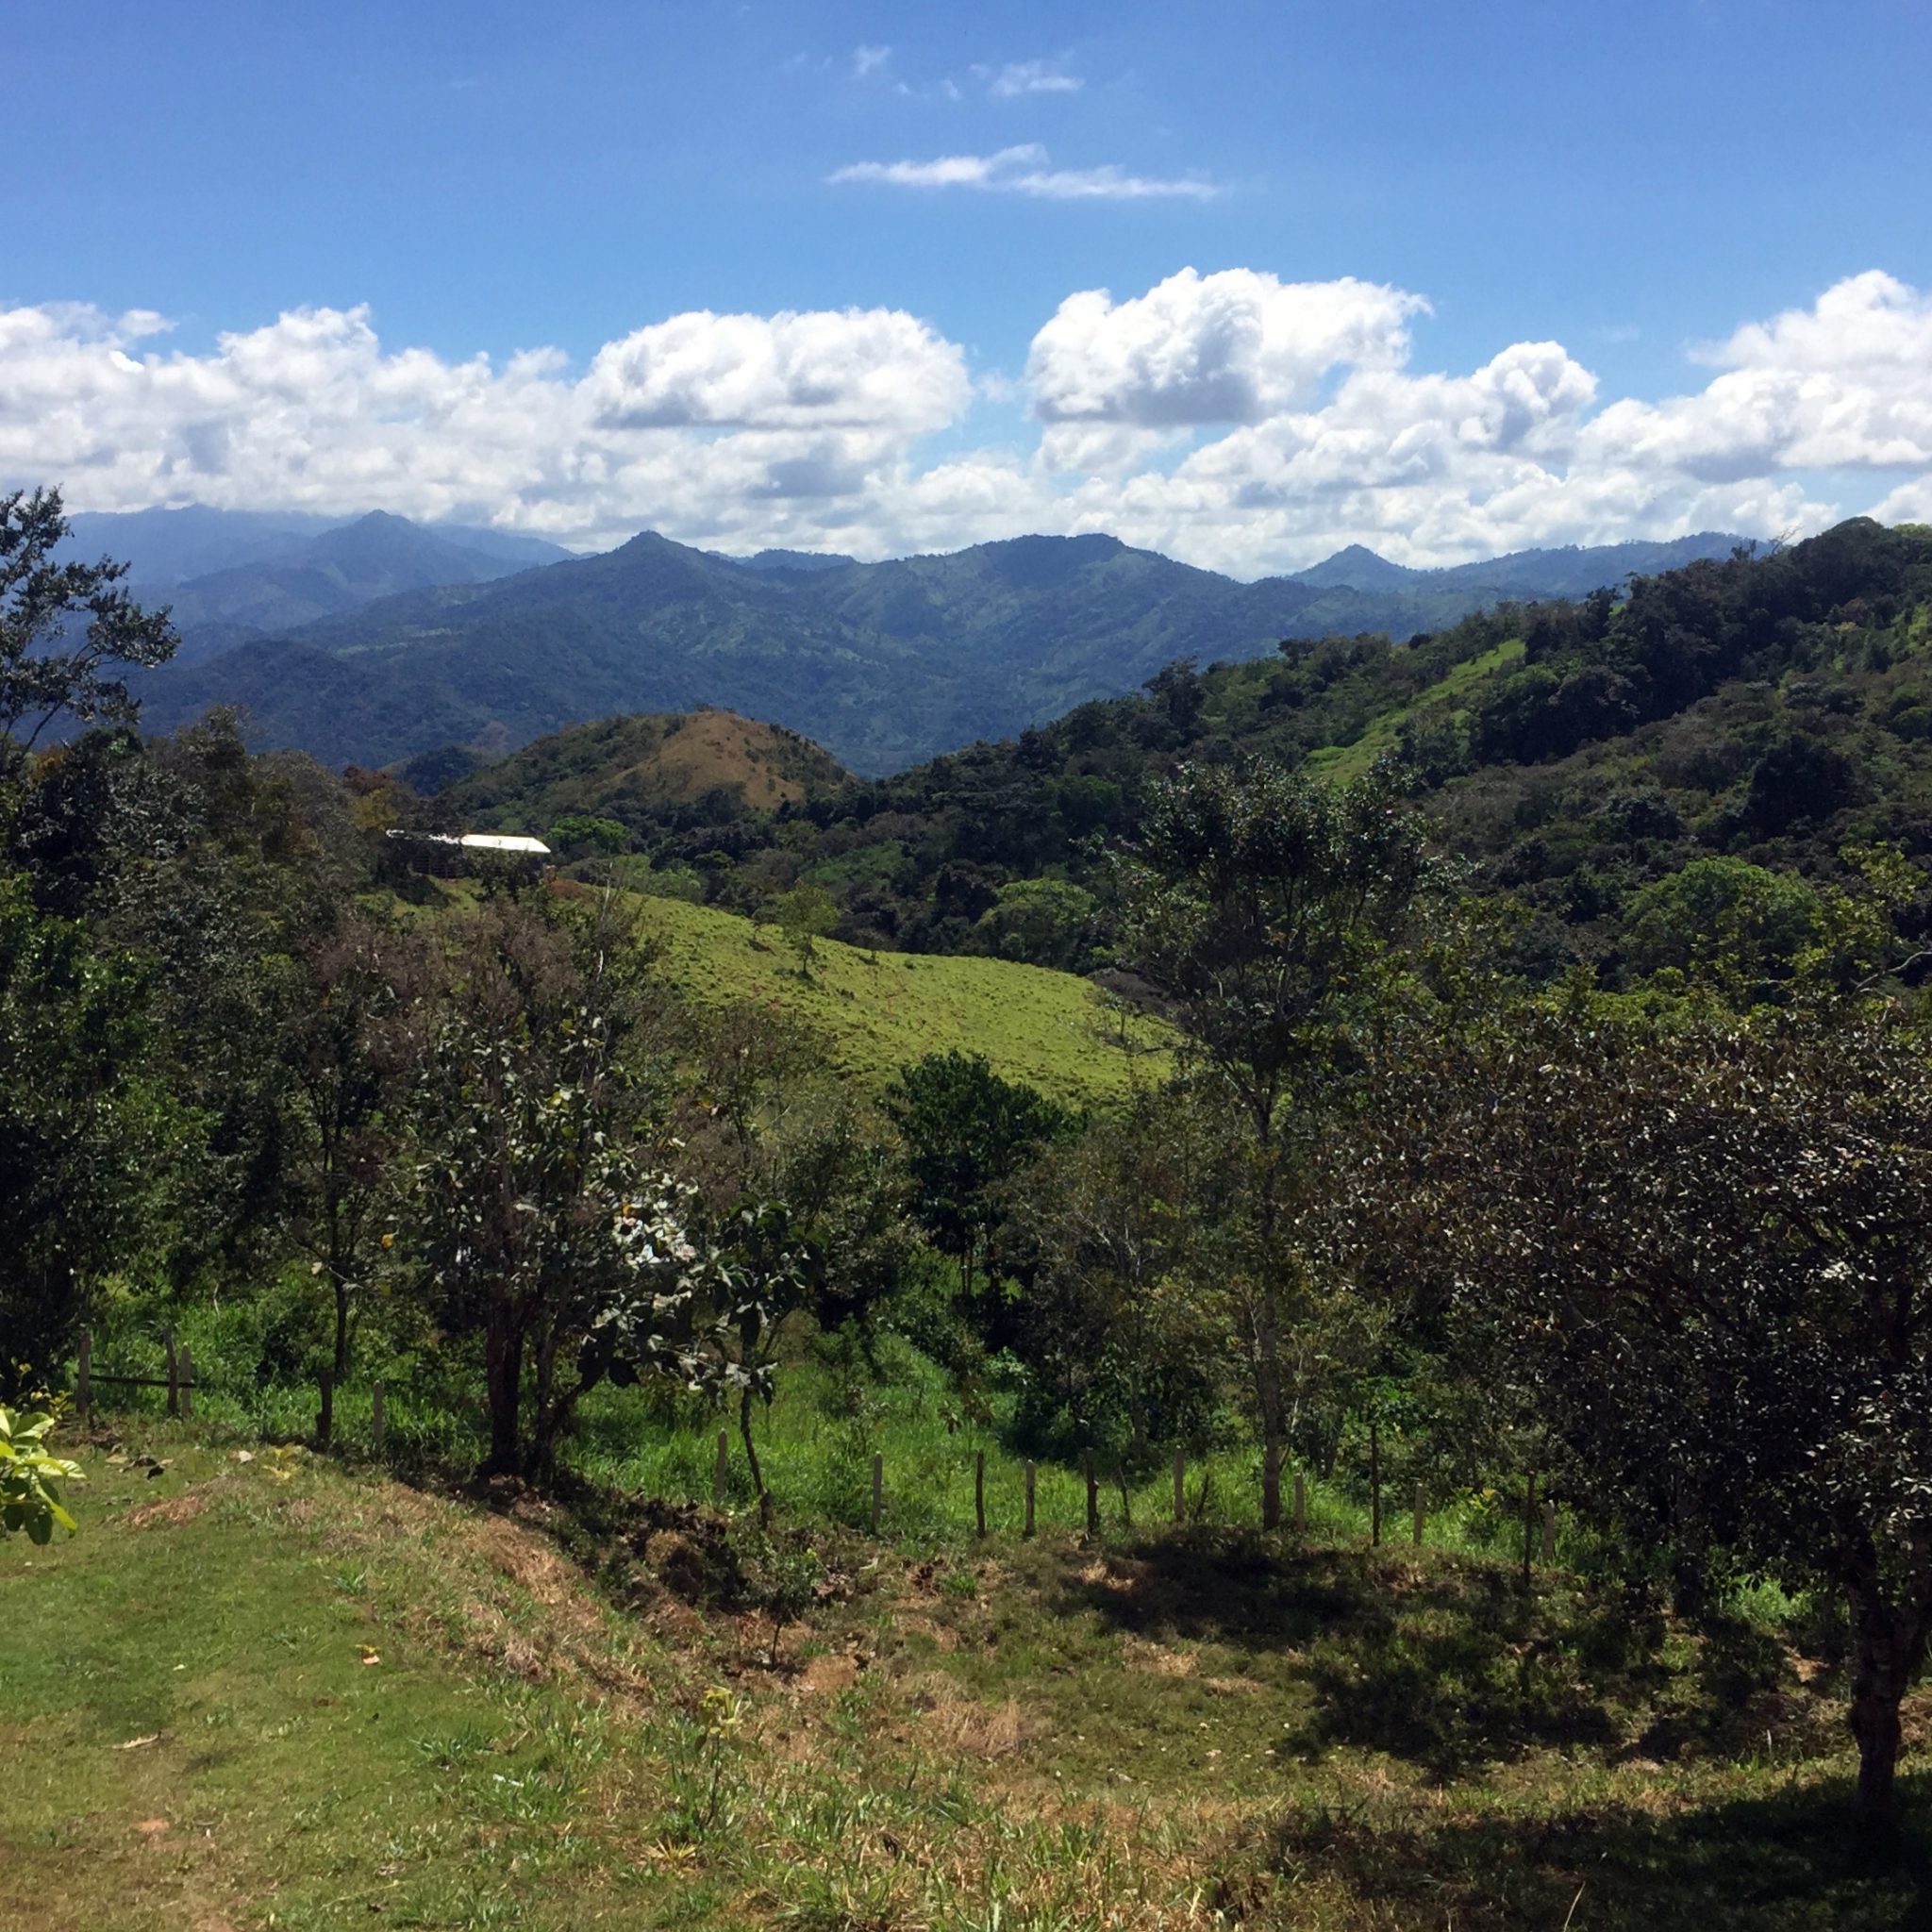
(31, 1475)
(1263, 905)
(1699, 1257)
(64, 628)
(78, 1126)
(967, 1133)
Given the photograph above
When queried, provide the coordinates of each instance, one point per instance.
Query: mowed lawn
(257, 1692)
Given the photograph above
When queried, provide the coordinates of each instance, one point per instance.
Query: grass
(815, 1442)
(877, 1012)
(1174, 1729)
(1346, 763)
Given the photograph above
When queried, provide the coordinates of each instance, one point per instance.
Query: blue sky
(1626, 185)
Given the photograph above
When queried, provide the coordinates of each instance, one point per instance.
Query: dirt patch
(169, 1510)
(959, 1723)
(1138, 1654)
(826, 1676)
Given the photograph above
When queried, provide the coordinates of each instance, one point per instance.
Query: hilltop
(884, 665)
(640, 772)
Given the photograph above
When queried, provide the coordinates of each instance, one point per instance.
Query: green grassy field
(303, 1696)
(876, 1011)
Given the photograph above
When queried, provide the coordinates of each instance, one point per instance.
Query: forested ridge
(1540, 1120)
(1746, 717)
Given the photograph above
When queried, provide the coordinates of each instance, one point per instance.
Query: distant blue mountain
(884, 665)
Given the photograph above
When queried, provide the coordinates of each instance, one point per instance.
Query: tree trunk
(1268, 1391)
(1887, 1647)
(342, 1353)
(751, 1454)
(503, 1375)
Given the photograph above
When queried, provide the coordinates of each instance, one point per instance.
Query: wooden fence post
(187, 1382)
(1180, 1485)
(375, 1418)
(83, 1384)
(174, 1373)
(1093, 1493)
(721, 1470)
(1549, 1534)
(1418, 1516)
(980, 1490)
(325, 1420)
(1030, 1477)
(1376, 1485)
(1301, 1502)
(1528, 1526)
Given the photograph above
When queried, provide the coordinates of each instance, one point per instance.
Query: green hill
(640, 771)
(876, 1011)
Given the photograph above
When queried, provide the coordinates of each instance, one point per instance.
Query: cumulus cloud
(1018, 79)
(1233, 419)
(877, 368)
(700, 424)
(867, 61)
(1026, 169)
(1221, 348)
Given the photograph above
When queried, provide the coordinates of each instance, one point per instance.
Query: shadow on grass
(1774, 1864)
(1449, 1663)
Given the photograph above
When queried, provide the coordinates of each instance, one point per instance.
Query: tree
(63, 626)
(77, 1123)
(1121, 1322)
(1704, 1258)
(1262, 904)
(967, 1133)
(543, 1210)
(806, 915)
(346, 1048)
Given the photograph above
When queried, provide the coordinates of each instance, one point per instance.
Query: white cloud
(1025, 170)
(876, 368)
(1234, 419)
(1231, 348)
(1018, 79)
(700, 425)
(867, 61)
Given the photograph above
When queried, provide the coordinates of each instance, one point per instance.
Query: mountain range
(882, 664)
(231, 576)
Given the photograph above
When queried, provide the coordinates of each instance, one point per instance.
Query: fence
(1539, 1514)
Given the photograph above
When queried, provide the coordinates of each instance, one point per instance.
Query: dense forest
(1549, 1101)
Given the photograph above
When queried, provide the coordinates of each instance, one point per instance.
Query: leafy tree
(1122, 1323)
(967, 1133)
(806, 915)
(78, 1128)
(1701, 1256)
(63, 628)
(542, 1211)
(1262, 904)
(579, 835)
(346, 1047)
(1045, 922)
(1722, 922)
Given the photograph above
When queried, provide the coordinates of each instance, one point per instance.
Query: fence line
(1540, 1510)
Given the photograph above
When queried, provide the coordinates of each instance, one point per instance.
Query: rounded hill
(629, 769)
